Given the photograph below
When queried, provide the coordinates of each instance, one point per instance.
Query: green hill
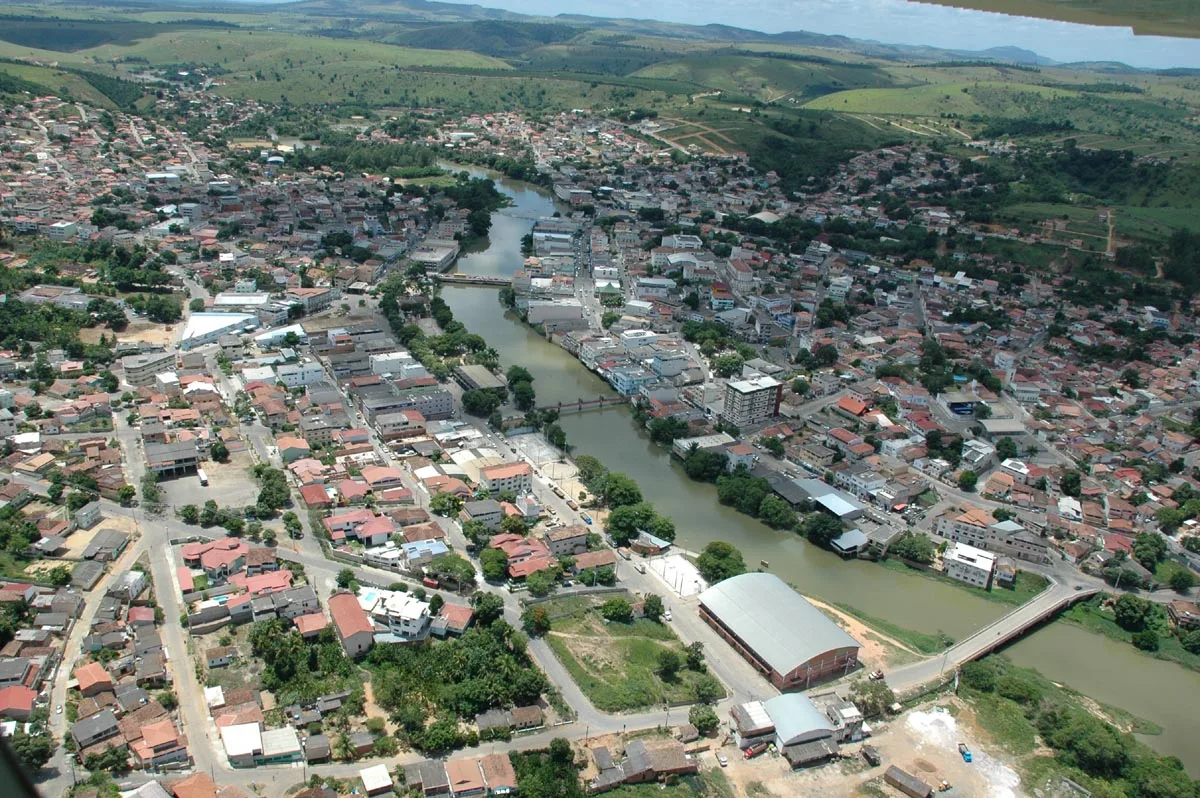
(489, 37)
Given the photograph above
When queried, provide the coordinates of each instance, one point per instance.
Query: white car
(723, 760)
(58, 710)
(667, 616)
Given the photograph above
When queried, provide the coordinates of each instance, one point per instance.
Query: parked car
(667, 615)
(876, 675)
(964, 751)
(58, 710)
(722, 760)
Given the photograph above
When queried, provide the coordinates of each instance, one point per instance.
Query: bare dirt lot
(878, 650)
(924, 743)
(229, 484)
(80, 538)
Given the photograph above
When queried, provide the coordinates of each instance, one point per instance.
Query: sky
(894, 22)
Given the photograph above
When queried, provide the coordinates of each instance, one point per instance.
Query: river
(1158, 691)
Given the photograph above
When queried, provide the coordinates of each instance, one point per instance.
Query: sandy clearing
(878, 650)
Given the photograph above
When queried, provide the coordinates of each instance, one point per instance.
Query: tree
(535, 621)
(1071, 483)
(704, 718)
(1006, 448)
(126, 495)
(666, 430)
(980, 675)
(618, 610)
(1191, 641)
(436, 602)
(55, 493)
(821, 529)
(219, 452)
(452, 568)
(540, 583)
(871, 697)
(917, 547)
(776, 513)
(517, 374)
(1149, 549)
(269, 538)
(1145, 640)
(494, 563)
(967, 480)
(59, 575)
(480, 403)
(719, 561)
(514, 525)
(773, 445)
(707, 689)
(1131, 612)
(727, 365)
(524, 396)
(168, 700)
(652, 607)
(446, 504)
(488, 608)
(345, 577)
(189, 514)
(694, 652)
(668, 664)
(1182, 581)
(620, 490)
(114, 760)
(33, 750)
(801, 386)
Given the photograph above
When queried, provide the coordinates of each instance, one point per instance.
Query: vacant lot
(615, 664)
(80, 538)
(229, 484)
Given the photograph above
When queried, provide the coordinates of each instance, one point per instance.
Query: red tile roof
(348, 616)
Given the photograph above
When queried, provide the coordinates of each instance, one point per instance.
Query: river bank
(1108, 671)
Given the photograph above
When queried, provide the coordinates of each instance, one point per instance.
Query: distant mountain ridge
(501, 33)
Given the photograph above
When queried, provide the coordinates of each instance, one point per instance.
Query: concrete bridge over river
(996, 634)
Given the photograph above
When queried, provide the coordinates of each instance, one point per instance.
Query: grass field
(615, 663)
(59, 82)
(768, 79)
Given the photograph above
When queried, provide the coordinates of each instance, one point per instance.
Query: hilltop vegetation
(798, 103)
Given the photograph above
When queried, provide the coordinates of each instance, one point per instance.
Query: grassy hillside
(19, 78)
(490, 37)
(770, 79)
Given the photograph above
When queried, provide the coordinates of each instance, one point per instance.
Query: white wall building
(969, 564)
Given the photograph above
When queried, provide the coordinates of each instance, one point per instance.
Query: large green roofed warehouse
(788, 640)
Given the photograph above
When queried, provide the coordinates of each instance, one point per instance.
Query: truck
(203, 477)
(964, 751)
(755, 750)
(587, 519)
(571, 503)
(871, 754)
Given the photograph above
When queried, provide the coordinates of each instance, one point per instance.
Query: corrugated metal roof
(796, 719)
(775, 621)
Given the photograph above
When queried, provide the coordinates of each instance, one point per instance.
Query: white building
(753, 401)
(403, 614)
(206, 328)
(297, 375)
(969, 564)
(399, 364)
